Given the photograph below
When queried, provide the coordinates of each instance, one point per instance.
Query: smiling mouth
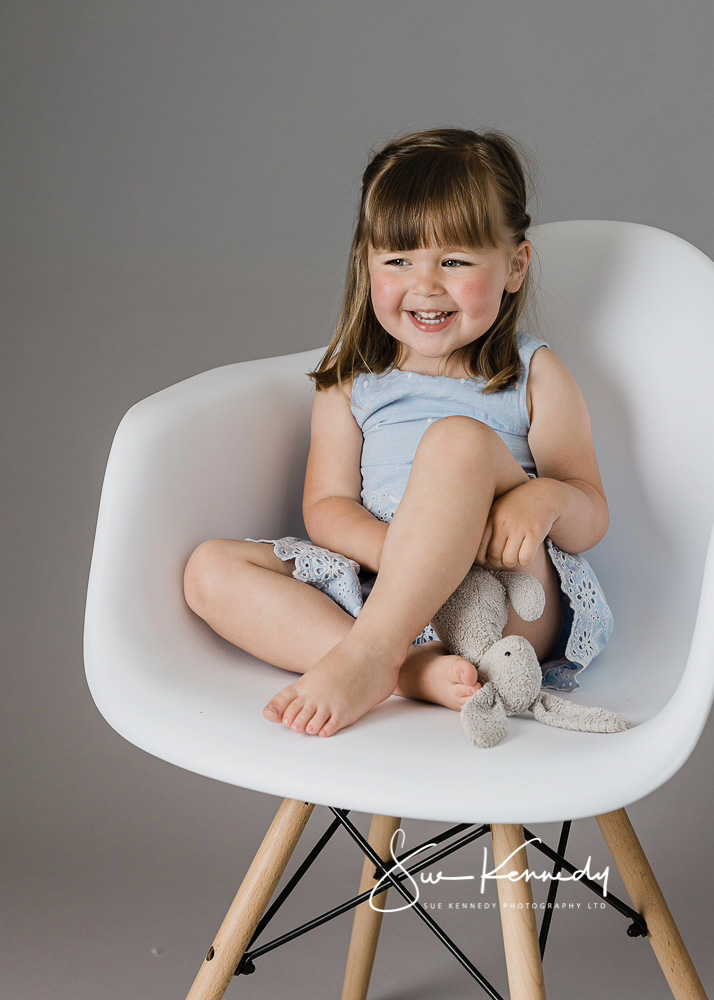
(431, 319)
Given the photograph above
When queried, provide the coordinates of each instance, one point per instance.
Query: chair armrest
(221, 454)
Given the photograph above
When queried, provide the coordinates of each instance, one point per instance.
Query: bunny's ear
(483, 717)
(525, 593)
(554, 711)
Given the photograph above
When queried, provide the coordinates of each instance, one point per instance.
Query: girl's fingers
(495, 553)
(509, 556)
(527, 551)
(494, 556)
(482, 553)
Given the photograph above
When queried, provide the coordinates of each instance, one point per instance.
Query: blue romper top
(394, 409)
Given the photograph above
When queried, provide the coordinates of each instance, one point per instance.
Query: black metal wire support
(553, 891)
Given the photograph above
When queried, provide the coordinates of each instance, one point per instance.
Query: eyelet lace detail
(593, 620)
(382, 503)
(428, 635)
(330, 572)
(561, 675)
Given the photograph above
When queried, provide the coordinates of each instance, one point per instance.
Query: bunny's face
(512, 666)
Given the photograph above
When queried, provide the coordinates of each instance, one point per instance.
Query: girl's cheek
(377, 291)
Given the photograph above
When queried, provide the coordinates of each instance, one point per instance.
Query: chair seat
(201, 708)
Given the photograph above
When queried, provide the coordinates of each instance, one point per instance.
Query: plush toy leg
(520, 934)
(525, 593)
(215, 975)
(367, 922)
(648, 900)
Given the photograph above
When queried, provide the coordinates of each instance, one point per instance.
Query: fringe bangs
(433, 197)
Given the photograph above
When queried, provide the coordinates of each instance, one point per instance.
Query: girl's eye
(398, 261)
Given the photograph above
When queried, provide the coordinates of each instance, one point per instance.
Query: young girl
(440, 436)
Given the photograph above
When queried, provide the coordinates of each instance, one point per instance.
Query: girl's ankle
(380, 646)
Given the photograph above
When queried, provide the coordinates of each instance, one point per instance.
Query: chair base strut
(232, 952)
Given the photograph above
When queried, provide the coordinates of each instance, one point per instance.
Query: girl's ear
(520, 261)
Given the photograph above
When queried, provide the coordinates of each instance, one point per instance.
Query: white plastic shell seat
(629, 309)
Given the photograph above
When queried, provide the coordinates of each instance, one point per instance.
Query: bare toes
(273, 711)
(280, 702)
(329, 728)
(468, 674)
(304, 716)
(317, 721)
(292, 711)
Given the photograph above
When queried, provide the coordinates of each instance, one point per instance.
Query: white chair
(222, 454)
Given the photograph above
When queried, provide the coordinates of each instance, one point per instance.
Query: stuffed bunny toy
(470, 624)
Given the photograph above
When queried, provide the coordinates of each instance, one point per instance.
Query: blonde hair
(449, 187)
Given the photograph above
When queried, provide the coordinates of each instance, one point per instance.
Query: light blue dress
(393, 410)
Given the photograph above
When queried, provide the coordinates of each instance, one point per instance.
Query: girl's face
(437, 300)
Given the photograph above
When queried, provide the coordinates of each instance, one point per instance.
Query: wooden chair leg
(648, 900)
(520, 933)
(367, 922)
(215, 975)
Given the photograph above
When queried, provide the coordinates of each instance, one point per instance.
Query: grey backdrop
(179, 187)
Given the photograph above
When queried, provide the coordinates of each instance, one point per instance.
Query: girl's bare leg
(460, 467)
(249, 596)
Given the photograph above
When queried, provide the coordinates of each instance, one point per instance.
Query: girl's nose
(427, 282)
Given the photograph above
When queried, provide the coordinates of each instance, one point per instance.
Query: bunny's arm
(484, 718)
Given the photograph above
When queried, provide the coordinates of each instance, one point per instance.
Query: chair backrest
(222, 454)
(630, 310)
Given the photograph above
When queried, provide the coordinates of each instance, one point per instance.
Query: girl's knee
(222, 563)
(202, 572)
(459, 432)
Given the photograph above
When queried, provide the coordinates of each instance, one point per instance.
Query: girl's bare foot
(349, 680)
(430, 673)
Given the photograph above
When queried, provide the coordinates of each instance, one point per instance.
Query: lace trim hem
(330, 572)
(593, 621)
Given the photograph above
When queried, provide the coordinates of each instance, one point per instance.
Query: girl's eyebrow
(463, 249)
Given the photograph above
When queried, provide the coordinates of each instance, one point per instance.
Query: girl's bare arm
(332, 506)
(561, 442)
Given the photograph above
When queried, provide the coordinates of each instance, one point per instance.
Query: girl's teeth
(431, 317)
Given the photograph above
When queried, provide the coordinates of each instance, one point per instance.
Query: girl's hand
(517, 524)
